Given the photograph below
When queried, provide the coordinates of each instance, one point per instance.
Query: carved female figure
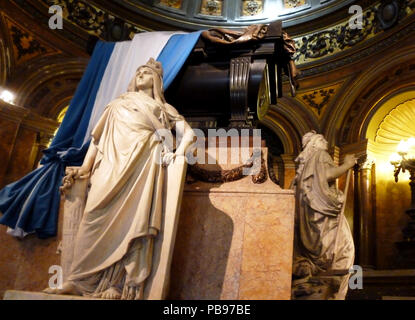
(123, 213)
(323, 240)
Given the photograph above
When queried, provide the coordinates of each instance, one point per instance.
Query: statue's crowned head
(313, 140)
(157, 71)
(154, 65)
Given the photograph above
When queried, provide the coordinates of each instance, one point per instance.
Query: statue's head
(149, 75)
(313, 140)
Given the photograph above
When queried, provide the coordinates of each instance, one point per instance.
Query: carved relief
(211, 7)
(196, 172)
(176, 4)
(289, 4)
(318, 99)
(252, 7)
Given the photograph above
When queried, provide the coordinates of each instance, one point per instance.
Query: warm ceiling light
(403, 147)
(395, 158)
(7, 96)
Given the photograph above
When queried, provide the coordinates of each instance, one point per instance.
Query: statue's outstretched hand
(350, 160)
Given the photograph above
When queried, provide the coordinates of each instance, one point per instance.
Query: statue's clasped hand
(168, 158)
(70, 177)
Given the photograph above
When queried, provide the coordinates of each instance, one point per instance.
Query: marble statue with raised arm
(318, 238)
(125, 163)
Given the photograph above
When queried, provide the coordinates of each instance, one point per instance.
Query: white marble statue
(320, 246)
(126, 160)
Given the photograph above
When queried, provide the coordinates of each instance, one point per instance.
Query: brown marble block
(25, 263)
(234, 241)
(8, 131)
(21, 163)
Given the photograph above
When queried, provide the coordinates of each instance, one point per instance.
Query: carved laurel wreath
(221, 176)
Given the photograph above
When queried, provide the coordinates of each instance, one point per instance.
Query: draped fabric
(31, 204)
(125, 59)
(175, 53)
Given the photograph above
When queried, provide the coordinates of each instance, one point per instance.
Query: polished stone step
(27, 295)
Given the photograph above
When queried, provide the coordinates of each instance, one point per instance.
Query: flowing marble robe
(318, 206)
(123, 213)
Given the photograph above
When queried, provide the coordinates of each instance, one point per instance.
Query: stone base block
(27, 295)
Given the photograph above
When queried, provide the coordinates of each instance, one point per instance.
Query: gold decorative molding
(332, 40)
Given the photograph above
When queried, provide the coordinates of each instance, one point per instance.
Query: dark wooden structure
(231, 85)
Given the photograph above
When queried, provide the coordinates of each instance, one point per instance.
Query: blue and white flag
(31, 204)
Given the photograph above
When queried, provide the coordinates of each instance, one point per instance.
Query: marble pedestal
(234, 241)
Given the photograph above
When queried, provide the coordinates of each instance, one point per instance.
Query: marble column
(365, 214)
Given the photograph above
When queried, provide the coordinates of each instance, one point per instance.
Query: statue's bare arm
(182, 129)
(80, 173)
(89, 160)
(188, 137)
(335, 172)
